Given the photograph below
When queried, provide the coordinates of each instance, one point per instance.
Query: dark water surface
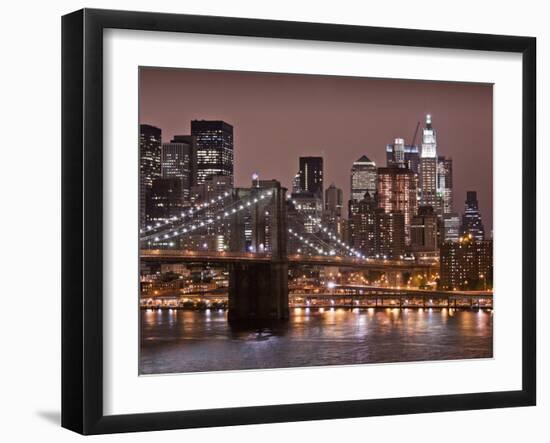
(191, 341)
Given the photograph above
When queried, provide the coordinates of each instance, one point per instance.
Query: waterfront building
(149, 165)
(214, 147)
(428, 165)
(471, 219)
(311, 175)
(467, 264)
(363, 178)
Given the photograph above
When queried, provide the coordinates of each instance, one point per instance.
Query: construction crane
(415, 134)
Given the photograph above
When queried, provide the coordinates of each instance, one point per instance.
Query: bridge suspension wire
(185, 215)
(222, 215)
(339, 244)
(350, 250)
(309, 243)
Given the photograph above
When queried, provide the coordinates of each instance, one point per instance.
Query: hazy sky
(280, 117)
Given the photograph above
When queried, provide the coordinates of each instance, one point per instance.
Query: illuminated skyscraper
(363, 178)
(412, 156)
(471, 219)
(390, 234)
(149, 165)
(362, 225)
(428, 165)
(332, 215)
(450, 227)
(311, 175)
(214, 141)
(444, 185)
(397, 193)
(178, 160)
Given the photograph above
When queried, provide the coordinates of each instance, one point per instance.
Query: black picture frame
(82, 215)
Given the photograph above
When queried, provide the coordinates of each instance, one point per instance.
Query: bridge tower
(259, 291)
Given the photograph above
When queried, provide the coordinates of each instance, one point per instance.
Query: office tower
(389, 234)
(296, 188)
(424, 230)
(444, 185)
(397, 192)
(471, 219)
(334, 200)
(149, 165)
(214, 145)
(428, 165)
(467, 264)
(332, 215)
(363, 178)
(311, 175)
(451, 227)
(362, 225)
(411, 155)
(178, 160)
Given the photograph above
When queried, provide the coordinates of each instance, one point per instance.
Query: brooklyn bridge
(264, 240)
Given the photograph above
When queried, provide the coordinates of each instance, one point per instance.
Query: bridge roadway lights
(258, 292)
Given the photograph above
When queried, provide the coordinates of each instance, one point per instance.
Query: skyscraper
(471, 219)
(311, 175)
(444, 185)
(397, 192)
(334, 200)
(390, 234)
(149, 165)
(424, 230)
(178, 160)
(362, 225)
(428, 165)
(214, 141)
(412, 156)
(332, 216)
(363, 178)
(451, 227)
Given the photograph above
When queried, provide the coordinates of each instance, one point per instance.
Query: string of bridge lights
(191, 212)
(226, 212)
(334, 237)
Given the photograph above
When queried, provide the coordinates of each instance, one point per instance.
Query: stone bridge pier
(259, 291)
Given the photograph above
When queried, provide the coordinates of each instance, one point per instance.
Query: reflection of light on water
(321, 310)
(307, 310)
(331, 309)
(297, 309)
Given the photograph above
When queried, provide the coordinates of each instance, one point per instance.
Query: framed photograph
(269, 221)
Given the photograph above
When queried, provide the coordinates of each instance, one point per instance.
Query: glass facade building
(149, 165)
(214, 144)
(363, 178)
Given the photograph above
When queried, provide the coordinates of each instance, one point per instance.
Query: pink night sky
(280, 117)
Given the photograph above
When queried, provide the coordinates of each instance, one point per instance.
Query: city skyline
(338, 161)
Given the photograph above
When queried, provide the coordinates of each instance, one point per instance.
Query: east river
(175, 341)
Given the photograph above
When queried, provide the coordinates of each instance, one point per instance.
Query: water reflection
(190, 341)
